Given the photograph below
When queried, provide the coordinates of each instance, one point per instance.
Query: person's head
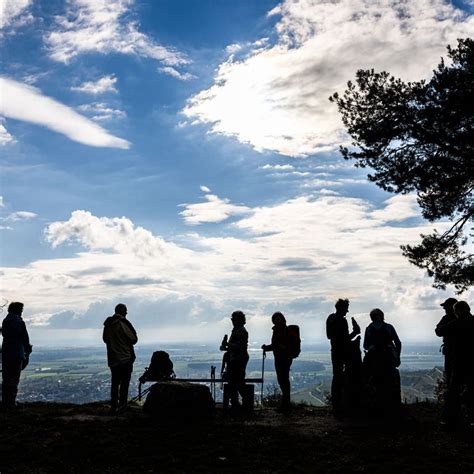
(342, 306)
(278, 319)
(448, 305)
(462, 309)
(238, 318)
(121, 309)
(376, 315)
(15, 308)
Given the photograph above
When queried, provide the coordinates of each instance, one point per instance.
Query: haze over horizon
(182, 158)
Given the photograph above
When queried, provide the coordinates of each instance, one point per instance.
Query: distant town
(81, 375)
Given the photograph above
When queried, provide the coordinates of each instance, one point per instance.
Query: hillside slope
(69, 438)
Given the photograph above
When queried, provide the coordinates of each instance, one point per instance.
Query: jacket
(120, 336)
(237, 345)
(16, 342)
(279, 344)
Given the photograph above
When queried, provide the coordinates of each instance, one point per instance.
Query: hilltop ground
(42, 437)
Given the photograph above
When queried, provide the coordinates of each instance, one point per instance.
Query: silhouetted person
(15, 353)
(381, 362)
(337, 331)
(282, 357)
(120, 336)
(462, 371)
(237, 358)
(444, 329)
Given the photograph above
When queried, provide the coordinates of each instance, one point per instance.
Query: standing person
(120, 336)
(15, 353)
(382, 359)
(337, 331)
(462, 373)
(237, 358)
(444, 329)
(283, 358)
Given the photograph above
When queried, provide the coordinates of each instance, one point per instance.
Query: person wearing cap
(444, 329)
(462, 371)
(119, 336)
(238, 357)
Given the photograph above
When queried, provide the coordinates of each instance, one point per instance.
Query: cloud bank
(22, 102)
(276, 96)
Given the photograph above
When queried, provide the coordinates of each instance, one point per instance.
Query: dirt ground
(41, 438)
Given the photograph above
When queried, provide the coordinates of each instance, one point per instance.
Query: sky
(181, 157)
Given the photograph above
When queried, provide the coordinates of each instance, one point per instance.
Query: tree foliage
(419, 137)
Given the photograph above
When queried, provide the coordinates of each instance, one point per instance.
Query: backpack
(293, 341)
(161, 368)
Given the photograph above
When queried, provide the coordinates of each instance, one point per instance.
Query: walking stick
(264, 356)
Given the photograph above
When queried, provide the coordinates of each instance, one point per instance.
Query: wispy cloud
(102, 85)
(91, 26)
(5, 137)
(276, 98)
(23, 102)
(13, 12)
(171, 71)
(20, 216)
(2, 202)
(101, 111)
(214, 210)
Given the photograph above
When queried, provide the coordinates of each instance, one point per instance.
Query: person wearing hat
(445, 330)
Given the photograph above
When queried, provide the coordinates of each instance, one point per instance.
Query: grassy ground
(77, 439)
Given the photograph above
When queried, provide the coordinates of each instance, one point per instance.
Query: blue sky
(181, 157)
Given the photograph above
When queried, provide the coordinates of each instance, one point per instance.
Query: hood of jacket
(111, 320)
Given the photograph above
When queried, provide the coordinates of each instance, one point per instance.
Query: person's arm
(367, 339)
(25, 338)
(444, 327)
(396, 340)
(130, 332)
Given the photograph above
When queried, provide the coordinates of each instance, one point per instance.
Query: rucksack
(293, 341)
(161, 368)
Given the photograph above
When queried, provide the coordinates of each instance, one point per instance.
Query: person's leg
(452, 404)
(282, 368)
(337, 380)
(114, 388)
(11, 371)
(125, 375)
(233, 382)
(242, 366)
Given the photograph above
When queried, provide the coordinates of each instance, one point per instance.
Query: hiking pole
(264, 355)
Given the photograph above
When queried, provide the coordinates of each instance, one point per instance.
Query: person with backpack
(285, 345)
(237, 358)
(381, 362)
(16, 350)
(120, 336)
(337, 331)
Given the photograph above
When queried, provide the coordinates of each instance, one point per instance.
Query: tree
(419, 137)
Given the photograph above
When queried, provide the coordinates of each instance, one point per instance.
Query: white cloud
(91, 26)
(233, 48)
(102, 85)
(214, 210)
(285, 167)
(171, 71)
(20, 216)
(5, 137)
(204, 189)
(101, 233)
(23, 102)
(276, 98)
(101, 111)
(2, 202)
(10, 10)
